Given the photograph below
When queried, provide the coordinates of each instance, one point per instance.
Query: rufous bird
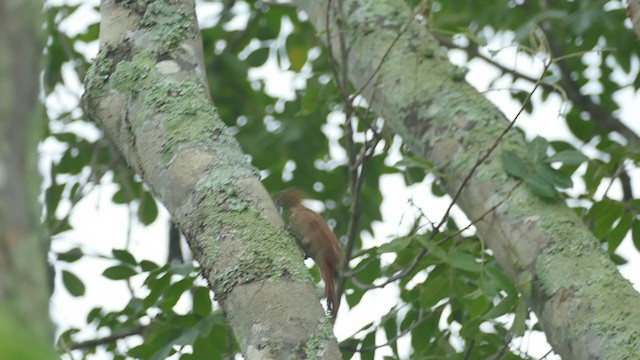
(316, 239)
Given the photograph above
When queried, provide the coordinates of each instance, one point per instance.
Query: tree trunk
(148, 91)
(586, 308)
(24, 289)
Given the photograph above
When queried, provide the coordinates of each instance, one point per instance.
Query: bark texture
(24, 289)
(587, 309)
(147, 90)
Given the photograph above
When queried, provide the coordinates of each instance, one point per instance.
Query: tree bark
(586, 308)
(148, 91)
(24, 289)
(633, 10)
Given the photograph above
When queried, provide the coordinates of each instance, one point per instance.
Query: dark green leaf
(94, 314)
(435, 289)
(391, 331)
(72, 283)
(202, 301)
(119, 272)
(175, 291)
(394, 245)
(498, 276)
(464, 261)
(514, 165)
(519, 322)
(297, 47)
(618, 233)
(540, 186)
(635, 233)
(70, 256)
(554, 177)
(504, 306)
(603, 219)
(148, 210)
(258, 57)
(368, 345)
(124, 256)
(52, 197)
(617, 259)
(147, 265)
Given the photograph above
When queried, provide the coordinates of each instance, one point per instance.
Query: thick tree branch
(557, 264)
(147, 90)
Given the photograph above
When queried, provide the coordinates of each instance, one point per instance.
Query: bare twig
(495, 144)
(421, 8)
(602, 117)
(107, 339)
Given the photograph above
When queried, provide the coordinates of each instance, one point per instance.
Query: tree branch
(118, 335)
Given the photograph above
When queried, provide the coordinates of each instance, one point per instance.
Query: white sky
(100, 226)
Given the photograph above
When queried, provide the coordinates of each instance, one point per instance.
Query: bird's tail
(328, 275)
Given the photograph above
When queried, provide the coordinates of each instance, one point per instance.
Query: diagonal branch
(601, 116)
(118, 335)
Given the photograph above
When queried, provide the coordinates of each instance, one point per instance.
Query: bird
(315, 238)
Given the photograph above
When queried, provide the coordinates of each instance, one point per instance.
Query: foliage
(453, 298)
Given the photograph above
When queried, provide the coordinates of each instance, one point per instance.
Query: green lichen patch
(317, 342)
(170, 24)
(270, 254)
(187, 116)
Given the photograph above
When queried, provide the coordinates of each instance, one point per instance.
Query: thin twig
(491, 149)
(107, 339)
(424, 251)
(602, 117)
(423, 6)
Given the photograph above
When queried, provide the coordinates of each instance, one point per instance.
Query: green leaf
(554, 177)
(52, 197)
(72, 283)
(414, 162)
(175, 291)
(514, 165)
(148, 210)
(157, 287)
(504, 306)
(435, 289)
(70, 256)
(369, 343)
(618, 233)
(124, 256)
(617, 259)
(519, 322)
(568, 157)
(395, 245)
(498, 276)
(348, 347)
(147, 265)
(537, 150)
(606, 212)
(119, 272)
(391, 332)
(635, 234)
(540, 186)
(202, 301)
(464, 261)
(258, 57)
(94, 314)
(297, 46)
